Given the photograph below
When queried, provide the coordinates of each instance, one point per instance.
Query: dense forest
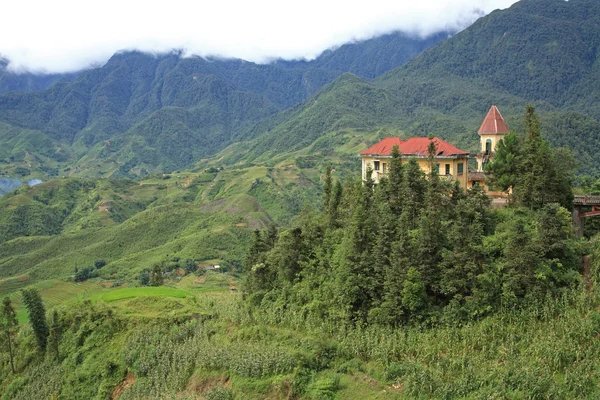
(415, 249)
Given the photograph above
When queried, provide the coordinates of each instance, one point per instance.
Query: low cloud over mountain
(65, 35)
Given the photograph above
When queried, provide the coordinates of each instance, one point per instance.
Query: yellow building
(450, 162)
(492, 130)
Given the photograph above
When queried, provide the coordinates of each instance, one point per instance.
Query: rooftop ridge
(416, 146)
(493, 123)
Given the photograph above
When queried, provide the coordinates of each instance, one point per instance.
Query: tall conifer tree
(396, 182)
(10, 326)
(37, 316)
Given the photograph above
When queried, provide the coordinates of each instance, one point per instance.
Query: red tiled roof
(416, 147)
(493, 122)
(383, 148)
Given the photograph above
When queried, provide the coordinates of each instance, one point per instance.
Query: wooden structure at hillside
(584, 206)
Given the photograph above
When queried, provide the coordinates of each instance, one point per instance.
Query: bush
(219, 393)
(84, 274)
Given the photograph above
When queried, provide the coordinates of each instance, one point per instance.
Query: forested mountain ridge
(536, 52)
(29, 82)
(141, 113)
(163, 112)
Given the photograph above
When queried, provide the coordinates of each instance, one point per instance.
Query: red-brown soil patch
(128, 381)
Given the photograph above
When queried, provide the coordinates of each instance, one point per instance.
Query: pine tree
(257, 251)
(537, 174)
(37, 316)
(521, 259)
(10, 327)
(414, 192)
(400, 262)
(287, 255)
(431, 239)
(386, 226)
(506, 166)
(334, 204)
(327, 188)
(271, 236)
(414, 296)
(463, 263)
(396, 182)
(541, 181)
(353, 257)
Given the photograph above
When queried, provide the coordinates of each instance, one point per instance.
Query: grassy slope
(53, 228)
(206, 342)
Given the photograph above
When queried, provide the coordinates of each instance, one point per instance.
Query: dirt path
(128, 381)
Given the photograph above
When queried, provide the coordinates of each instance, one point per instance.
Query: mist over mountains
(142, 113)
(259, 31)
(7, 185)
(29, 82)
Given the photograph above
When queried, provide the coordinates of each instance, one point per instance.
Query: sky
(55, 36)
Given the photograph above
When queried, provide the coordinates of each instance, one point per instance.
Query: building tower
(492, 130)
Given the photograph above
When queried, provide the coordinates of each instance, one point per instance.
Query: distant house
(212, 267)
(448, 160)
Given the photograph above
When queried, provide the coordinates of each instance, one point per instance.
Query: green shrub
(219, 393)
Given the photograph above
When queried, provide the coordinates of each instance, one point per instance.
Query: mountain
(371, 58)
(142, 113)
(29, 82)
(539, 52)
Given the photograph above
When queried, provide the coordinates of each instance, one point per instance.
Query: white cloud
(68, 35)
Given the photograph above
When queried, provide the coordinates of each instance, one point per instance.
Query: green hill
(141, 113)
(48, 230)
(447, 90)
(536, 50)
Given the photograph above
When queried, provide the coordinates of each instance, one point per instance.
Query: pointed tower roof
(493, 123)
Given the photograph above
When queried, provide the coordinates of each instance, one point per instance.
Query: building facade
(449, 161)
(491, 132)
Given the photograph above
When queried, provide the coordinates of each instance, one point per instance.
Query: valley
(204, 228)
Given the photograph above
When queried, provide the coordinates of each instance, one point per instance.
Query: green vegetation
(416, 251)
(180, 111)
(37, 316)
(219, 346)
(175, 110)
(407, 289)
(9, 325)
(61, 228)
(549, 173)
(128, 293)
